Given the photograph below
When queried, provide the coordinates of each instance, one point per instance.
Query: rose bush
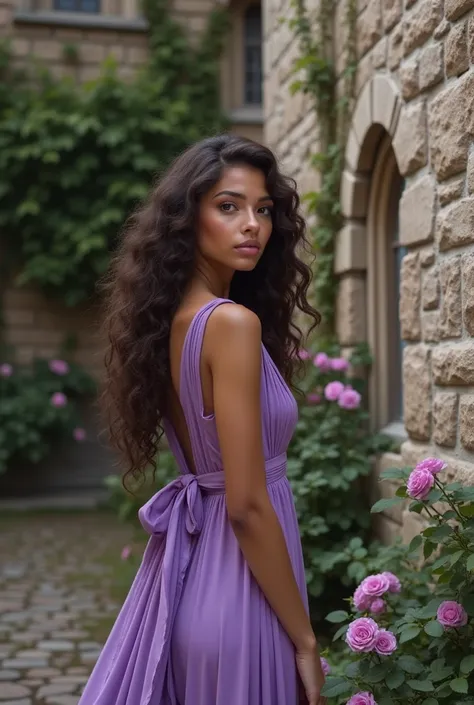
(38, 406)
(330, 454)
(410, 632)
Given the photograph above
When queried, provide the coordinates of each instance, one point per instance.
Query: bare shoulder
(232, 328)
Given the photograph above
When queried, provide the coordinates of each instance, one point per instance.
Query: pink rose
(313, 398)
(59, 400)
(386, 643)
(339, 364)
(394, 582)
(322, 361)
(59, 367)
(375, 585)
(79, 435)
(377, 606)
(349, 399)
(303, 354)
(433, 465)
(333, 390)
(6, 370)
(362, 699)
(420, 483)
(361, 634)
(361, 600)
(126, 553)
(325, 666)
(451, 614)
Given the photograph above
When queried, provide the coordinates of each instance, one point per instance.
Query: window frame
(382, 303)
(250, 43)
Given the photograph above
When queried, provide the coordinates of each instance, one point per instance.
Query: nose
(251, 226)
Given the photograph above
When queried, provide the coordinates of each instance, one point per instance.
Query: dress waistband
(214, 482)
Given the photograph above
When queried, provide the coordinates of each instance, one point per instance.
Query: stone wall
(415, 87)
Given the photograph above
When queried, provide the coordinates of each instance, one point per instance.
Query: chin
(245, 266)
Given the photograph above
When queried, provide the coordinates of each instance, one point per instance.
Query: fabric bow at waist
(132, 668)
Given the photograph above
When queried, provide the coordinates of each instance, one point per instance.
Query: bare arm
(234, 345)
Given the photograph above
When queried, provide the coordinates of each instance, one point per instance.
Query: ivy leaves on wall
(74, 160)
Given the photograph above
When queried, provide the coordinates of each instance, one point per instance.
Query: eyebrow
(235, 194)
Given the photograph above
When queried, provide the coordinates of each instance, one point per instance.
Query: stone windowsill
(396, 431)
(247, 115)
(82, 20)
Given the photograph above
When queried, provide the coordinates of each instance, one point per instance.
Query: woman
(202, 348)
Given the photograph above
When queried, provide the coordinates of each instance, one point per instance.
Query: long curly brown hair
(152, 269)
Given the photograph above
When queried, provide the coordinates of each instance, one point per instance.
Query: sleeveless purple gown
(195, 628)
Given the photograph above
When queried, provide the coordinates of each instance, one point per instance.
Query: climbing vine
(75, 159)
(332, 97)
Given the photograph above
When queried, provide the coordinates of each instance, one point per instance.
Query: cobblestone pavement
(58, 599)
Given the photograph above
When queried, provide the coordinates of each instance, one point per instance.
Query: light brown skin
(230, 374)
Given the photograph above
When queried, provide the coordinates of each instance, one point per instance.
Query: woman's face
(235, 219)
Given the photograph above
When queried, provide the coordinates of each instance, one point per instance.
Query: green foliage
(330, 454)
(30, 423)
(75, 160)
(433, 663)
(317, 77)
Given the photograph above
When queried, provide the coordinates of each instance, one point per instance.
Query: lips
(249, 245)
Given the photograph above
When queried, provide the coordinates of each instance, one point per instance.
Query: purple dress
(195, 628)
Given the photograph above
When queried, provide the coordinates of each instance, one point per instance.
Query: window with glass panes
(253, 55)
(92, 6)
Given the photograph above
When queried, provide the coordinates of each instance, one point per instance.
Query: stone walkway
(58, 599)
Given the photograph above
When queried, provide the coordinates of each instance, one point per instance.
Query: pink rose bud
(79, 435)
(451, 615)
(325, 666)
(420, 483)
(339, 364)
(333, 391)
(386, 643)
(6, 370)
(375, 585)
(322, 361)
(362, 698)
(377, 606)
(126, 553)
(361, 600)
(349, 399)
(304, 354)
(361, 634)
(59, 367)
(313, 398)
(394, 582)
(59, 400)
(433, 465)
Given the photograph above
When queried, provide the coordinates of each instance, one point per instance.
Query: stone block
(431, 66)
(385, 103)
(413, 453)
(467, 267)
(350, 311)
(430, 290)
(20, 47)
(351, 249)
(453, 364)
(430, 326)
(456, 8)
(451, 126)
(451, 191)
(392, 12)
(445, 418)
(442, 29)
(455, 51)
(91, 53)
(466, 421)
(450, 323)
(410, 141)
(455, 225)
(354, 195)
(386, 530)
(412, 525)
(408, 73)
(379, 53)
(395, 47)
(410, 296)
(369, 27)
(417, 391)
(417, 209)
(362, 116)
(470, 33)
(48, 50)
(427, 256)
(470, 173)
(420, 23)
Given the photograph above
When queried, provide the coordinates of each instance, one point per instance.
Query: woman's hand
(311, 673)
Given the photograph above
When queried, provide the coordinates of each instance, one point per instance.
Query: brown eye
(227, 207)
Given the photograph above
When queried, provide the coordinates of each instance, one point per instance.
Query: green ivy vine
(75, 159)
(317, 76)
